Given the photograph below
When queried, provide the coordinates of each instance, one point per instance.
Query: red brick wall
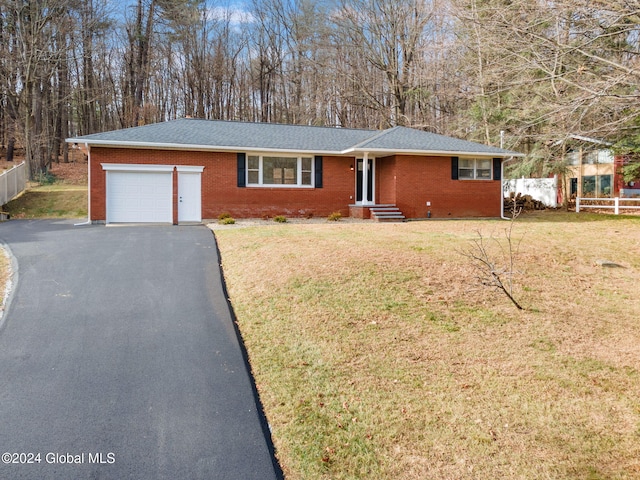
(386, 185)
(407, 181)
(220, 193)
(417, 180)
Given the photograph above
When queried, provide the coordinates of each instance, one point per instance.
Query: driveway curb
(10, 286)
(266, 429)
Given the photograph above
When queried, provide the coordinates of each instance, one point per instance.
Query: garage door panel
(139, 197)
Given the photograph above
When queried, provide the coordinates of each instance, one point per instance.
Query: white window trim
(475, 169)
(260, 183)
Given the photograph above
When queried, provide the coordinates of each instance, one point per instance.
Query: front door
(363, 193)
(189, 197)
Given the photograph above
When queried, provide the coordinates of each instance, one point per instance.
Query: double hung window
(474, 169)
(278, 170)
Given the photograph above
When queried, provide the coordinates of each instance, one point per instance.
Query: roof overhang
(435, 153)
(191, 147)
(84, 144)
(584, 139)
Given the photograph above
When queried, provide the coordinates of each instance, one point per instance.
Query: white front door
(365, 181)
(189, 196)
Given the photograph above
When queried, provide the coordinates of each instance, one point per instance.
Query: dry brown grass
(5, 274)
(377, 356)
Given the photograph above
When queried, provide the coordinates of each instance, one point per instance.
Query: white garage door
(139, 197)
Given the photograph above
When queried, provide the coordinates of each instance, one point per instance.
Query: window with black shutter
(318, 171)
(497, 169)
(242, 170)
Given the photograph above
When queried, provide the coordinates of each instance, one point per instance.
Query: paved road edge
(266, 430)
(9, 287)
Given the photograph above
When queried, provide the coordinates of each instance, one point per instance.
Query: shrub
(46, 178)
(227, 221)
(334, 217)
(224, 215)
(280, 219)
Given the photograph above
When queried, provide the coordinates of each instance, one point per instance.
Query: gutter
(88, 222)
(350, 151)
(438, 153)
(200, 148)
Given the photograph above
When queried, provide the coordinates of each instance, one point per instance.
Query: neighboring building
(187, 169)
(594, 171)
(625, 189)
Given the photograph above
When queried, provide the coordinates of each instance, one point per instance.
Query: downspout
(88, 222)
(502, 187)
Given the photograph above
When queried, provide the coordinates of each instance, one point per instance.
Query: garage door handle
(180, 199)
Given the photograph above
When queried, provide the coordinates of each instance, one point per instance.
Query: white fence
(544, 190)
(608, 203)
(12, 182)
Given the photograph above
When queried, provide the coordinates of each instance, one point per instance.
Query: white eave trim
(583, 139)
(435, 153)
(204, 148)
(352, 151)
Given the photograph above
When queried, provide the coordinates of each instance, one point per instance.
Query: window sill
(477, 180)
(281, 187)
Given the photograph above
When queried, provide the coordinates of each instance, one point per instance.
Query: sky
(237, 12)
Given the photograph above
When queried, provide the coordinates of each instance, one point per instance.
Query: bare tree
(137, 60)
(494, 260)
(389, 35)
(32, 55)
(546, 70)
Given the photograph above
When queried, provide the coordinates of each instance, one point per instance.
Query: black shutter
(318, 171)
(242, 170)
(454, 168)
(497, 169)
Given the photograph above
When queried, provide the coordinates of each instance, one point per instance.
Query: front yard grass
(376, 354)
(57, 200)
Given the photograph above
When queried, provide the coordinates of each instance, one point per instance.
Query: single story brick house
(187, 170)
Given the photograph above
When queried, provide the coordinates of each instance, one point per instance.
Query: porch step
(386, 213)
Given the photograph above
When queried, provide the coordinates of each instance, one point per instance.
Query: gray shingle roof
(408, 139)
(219, 135)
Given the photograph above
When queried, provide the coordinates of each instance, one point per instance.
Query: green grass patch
(50, 201)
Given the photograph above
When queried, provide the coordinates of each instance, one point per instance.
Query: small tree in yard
(494, 261)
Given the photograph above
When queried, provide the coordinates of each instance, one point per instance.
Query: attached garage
(139, 193)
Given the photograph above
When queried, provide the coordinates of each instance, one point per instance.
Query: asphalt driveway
(119, 359)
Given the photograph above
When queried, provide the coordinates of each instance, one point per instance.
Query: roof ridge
(249, 122)
(378, 134)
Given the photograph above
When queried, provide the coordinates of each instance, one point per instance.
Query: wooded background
(537, 70)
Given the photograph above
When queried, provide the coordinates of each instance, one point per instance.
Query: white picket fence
(615, 203)
(12, 182)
